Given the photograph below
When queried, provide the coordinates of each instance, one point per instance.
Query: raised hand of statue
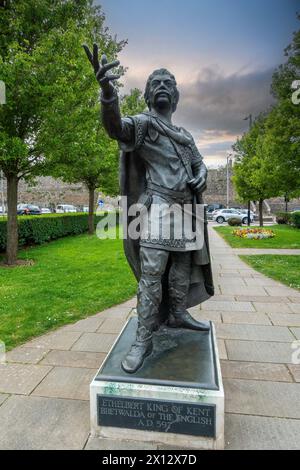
(105, 80)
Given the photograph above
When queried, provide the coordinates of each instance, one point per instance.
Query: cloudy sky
(222, 52)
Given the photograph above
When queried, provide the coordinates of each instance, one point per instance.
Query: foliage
(295, 219)
(234, 222)
(70, 279)
(283, 218)
(44, 228)
(268, 156)
(133, 103)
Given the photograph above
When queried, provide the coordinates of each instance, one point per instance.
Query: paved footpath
(44, 386)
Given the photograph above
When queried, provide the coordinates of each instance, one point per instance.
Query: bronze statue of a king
(160, 167)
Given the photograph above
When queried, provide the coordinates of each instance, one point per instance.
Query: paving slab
(286, 319)
(281, 290)
(295, 371)
(26, 355)
(228, 306)
(263, 282)
(254, 332)
(21, 378)
(112, 325)
(260, 433)
(43, 423)
(95, 443)
(295, 307)
(262, 298)
(61, 339)
(3, 397)
(95, 342)
(66, 382)
(259, 351)
(262, 398)
(249, 318)
(255, 371)
(243, 290)
(88, 325)
(270, 307)
(222, 349)
(90, 360)
(296, 332)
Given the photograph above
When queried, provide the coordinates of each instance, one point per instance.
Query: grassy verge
(71, 278)
(285, 237)
(283, 268)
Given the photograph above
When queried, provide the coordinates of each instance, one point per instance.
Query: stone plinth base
(176, 398)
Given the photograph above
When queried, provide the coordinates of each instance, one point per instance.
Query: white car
(224, 215)
(65, 208)
(45, 210)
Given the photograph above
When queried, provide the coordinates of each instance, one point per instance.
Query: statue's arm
(116, 127)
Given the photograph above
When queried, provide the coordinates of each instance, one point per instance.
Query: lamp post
(249, 117)
(228, 159)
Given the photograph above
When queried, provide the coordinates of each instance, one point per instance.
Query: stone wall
(49, 192)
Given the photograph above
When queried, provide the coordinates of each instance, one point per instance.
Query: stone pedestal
(176, 398)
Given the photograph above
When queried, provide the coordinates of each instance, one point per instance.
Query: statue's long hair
(147, 89)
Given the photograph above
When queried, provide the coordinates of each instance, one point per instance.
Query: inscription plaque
(195, 419)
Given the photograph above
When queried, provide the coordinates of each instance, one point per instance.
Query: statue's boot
(149, 297)
(182, 319)
(179, 280)
(134, 359)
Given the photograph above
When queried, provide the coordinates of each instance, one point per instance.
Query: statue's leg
(179, 282)
(153, 265)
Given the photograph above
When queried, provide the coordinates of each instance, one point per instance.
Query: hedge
(283, 218)
(295, 219)
(44, 228)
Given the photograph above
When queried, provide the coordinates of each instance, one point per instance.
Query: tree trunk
(248, 213)
(261, 216)
(12, 221)
(91, 211)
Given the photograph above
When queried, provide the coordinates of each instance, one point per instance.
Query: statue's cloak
(132, 185)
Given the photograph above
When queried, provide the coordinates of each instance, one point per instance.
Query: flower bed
(254, 233)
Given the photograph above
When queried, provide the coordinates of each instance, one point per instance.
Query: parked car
(2, 211)
(45, 210)
(210, 208)
(295, 209)
(65, 208)
(224, 215)
(85, 209)
(245, 212)
(28, 209)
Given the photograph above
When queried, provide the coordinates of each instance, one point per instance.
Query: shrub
(43, 228)
(283, 218)
(234, 222)
(295, 219)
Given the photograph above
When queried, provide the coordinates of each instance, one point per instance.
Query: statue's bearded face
(161, 91)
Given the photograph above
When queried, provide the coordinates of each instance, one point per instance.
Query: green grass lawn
(71, 278)
(283, 268)
(285, 237)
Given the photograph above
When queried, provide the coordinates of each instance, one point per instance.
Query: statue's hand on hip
(101, 70)
(198, 184)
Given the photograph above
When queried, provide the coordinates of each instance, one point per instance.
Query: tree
(253, 176)
(268, 156)
(79, 147)
(39, 59)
